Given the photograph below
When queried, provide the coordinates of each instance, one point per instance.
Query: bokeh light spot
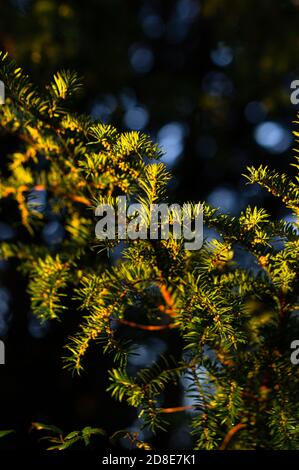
(273, 137)
(222, 55)
(171, 139)
(141, 58)
(136, 118)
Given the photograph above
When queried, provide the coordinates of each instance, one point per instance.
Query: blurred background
(210, 82)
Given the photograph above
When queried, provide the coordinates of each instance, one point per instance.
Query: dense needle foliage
(235, 321)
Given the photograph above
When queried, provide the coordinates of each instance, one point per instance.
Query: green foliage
(48, 279)
(236, 323)
(4, 433)
(60, 441)
(144, 389)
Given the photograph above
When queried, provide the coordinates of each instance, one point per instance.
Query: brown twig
(147, 327)
(39, 187)
(176, 409)
(171, 310)
(231, 434)
(81, 199)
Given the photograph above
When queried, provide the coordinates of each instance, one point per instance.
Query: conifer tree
(236, 323)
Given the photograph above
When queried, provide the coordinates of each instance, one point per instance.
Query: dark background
(210, 81)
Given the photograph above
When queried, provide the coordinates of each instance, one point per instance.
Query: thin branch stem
(231, 434)
(147, 327)
(176, 409)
